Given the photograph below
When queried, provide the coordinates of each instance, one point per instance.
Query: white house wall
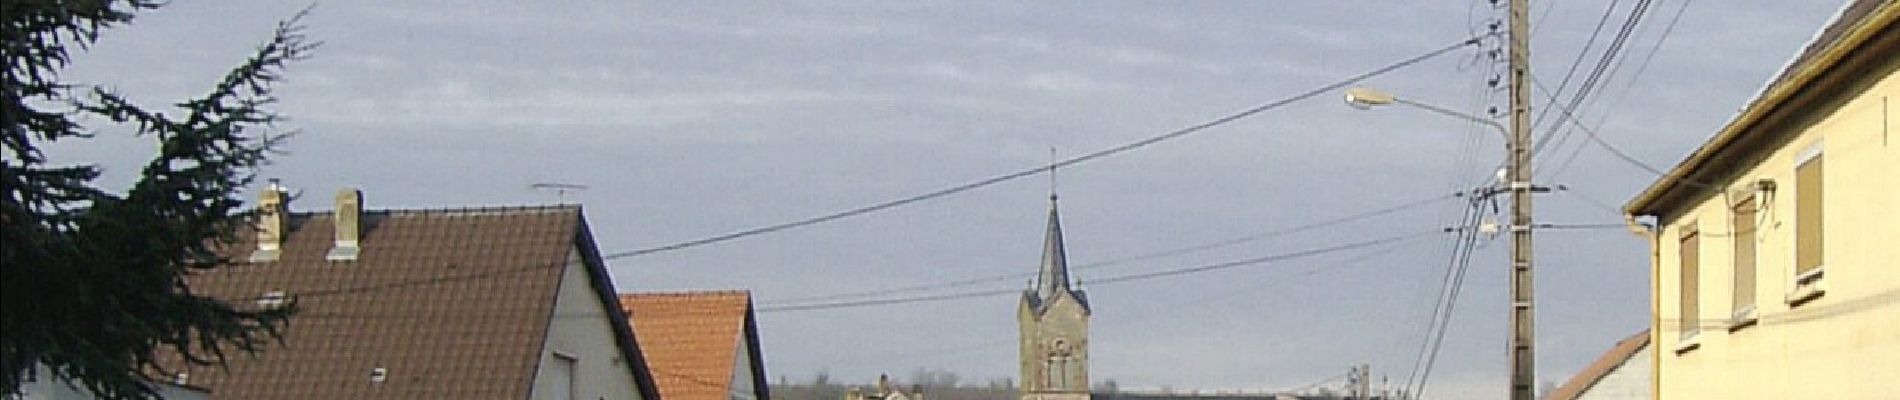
(581, 330)
(742, 383)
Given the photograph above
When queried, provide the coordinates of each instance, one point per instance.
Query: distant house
(467, 303)
(700, 345)
(1623, 373)
(1775, 241)
(884, 391)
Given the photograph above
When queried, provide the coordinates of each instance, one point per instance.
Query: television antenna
(560, 188)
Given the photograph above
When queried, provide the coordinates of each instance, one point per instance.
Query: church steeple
(1053, 322)
(1054, 277)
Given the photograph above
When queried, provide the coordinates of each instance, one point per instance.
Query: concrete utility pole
(1523, 328)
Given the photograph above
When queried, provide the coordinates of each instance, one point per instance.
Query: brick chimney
(273, 223)
(348, 219)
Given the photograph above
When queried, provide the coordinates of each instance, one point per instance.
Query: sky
(696, 119)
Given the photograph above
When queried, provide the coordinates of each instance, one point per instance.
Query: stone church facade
(1053, 321)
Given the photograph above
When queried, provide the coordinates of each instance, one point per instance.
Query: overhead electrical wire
(1461, 243)
(1468, 214)
(1630, 85)
(536, 267)
(1592, 201)
(1325, 89)
(1605, 65)
(1583, 52)
(1111, 280)
(1099, 325)
(1619, 153)
(1453, 284)
(1141, 257)
(1610, 55)
(1616, 66)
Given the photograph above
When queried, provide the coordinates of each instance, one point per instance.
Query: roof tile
(690, 339)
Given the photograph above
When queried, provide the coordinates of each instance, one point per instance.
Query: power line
(1607, 64)
(1142, 257)
(1578, 61)
(1448, 298)
(1610, 55)
(1185, 305)
(1453, 278)
(543, 266)
(1273, 234)
(1615, 68)
(1592, 201)
(1620, 154)
(1326, 89)
(1259, 260)
(1117, 279)
(1630, 86)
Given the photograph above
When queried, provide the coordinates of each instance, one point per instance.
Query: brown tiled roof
(690, 339)
(451, 303)
(1601, 367)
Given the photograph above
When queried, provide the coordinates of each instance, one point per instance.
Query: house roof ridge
(688, 293)
(489, 209)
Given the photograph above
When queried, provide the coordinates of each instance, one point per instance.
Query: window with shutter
(1689, 256)
(1808, 217)
(1743, 239)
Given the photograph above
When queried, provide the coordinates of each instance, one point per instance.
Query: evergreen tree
(93, 280)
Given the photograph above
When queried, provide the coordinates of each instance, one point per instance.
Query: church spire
(1054, 277)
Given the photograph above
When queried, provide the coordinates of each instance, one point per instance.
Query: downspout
(1655, 300)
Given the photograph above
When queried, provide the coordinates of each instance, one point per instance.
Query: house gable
(583, 356)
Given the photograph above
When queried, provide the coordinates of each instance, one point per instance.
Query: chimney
(348, 219)
(273, 223)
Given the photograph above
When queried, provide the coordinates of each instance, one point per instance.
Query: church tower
(1053, 320)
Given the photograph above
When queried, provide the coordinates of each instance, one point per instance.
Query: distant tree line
(936, 384)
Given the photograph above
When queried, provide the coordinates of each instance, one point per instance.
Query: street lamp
(1365, 98)
(1523, 339)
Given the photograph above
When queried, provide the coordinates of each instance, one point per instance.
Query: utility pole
(1523, 329)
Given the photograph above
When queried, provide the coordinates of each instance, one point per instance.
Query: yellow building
(1776, 252)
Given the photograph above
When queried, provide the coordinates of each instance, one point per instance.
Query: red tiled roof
(690, 339)
(1601, 367)
(451, 303)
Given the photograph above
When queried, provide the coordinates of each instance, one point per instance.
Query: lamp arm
(1502, 131)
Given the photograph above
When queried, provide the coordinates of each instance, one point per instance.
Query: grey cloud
(696, 119)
